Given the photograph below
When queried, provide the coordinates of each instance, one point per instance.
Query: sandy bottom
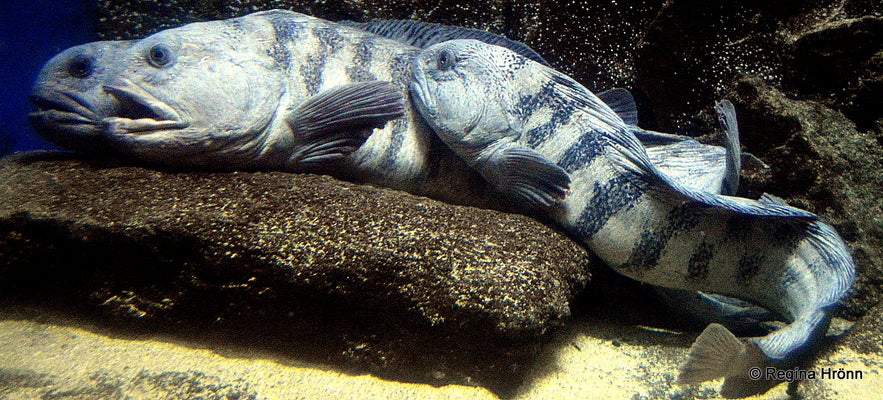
(53, 358)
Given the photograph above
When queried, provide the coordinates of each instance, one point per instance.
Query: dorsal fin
(425, 34)
(623, 104)
(726, 115)
(767, 198)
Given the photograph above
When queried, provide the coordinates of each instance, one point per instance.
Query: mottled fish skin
(642, 223)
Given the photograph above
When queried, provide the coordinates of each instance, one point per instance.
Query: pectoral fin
(334, 123)
(529, 177)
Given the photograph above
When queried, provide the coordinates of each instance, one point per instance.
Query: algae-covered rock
(393, 282)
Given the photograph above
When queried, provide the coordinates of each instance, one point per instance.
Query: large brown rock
(384, 280)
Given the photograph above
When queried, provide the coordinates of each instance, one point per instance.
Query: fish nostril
(81, 66)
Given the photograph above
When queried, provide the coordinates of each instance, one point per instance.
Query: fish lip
(60, 108)
(147, 112)
(420, 89)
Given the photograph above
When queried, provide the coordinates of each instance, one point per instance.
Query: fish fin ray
(334, 123)
(629, 154)
(711, 355)
(726, 114)
(653, 138)
(738, 316)
(424, 34)
(323, 153)
(622, 103)
(531, 178)
(691, 163)
(740, 384)
(767, 198)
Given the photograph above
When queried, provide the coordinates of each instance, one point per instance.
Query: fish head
(181, 97)
(69, 100)
(462, 92)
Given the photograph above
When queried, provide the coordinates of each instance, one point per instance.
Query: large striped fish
(539, 136)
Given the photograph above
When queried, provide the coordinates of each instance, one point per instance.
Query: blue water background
(31, 32)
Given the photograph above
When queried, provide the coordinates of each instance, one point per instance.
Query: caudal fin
(712, 355)
(718, 353)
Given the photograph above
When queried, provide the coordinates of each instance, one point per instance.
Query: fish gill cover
(31, 32)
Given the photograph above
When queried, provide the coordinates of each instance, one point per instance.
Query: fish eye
(445, 60)
(160, 55)
(81, 66)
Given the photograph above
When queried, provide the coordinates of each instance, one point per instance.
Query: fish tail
(712, 355)
(718, 353)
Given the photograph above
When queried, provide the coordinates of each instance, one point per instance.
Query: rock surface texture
(382, 279)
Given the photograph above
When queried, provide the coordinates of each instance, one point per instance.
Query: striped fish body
(481, 99)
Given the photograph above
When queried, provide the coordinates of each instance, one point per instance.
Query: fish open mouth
(139, 111)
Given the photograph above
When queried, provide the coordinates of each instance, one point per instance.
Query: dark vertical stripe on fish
(312, 72)
(697, 266)
(330, 38)
(645, 255)
(540, 134)
(359, 71)
(400, 68)
(582, 152)
(620, 192)
(749, 266)
(737, 227)
(653, 240)
(787, 235)
(287, 32)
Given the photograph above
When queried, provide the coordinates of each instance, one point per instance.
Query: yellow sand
(577, 366)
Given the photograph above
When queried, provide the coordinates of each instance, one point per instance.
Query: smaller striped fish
(551, 144)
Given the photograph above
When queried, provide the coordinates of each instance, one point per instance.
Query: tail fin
(712, 355)
(718, 353)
